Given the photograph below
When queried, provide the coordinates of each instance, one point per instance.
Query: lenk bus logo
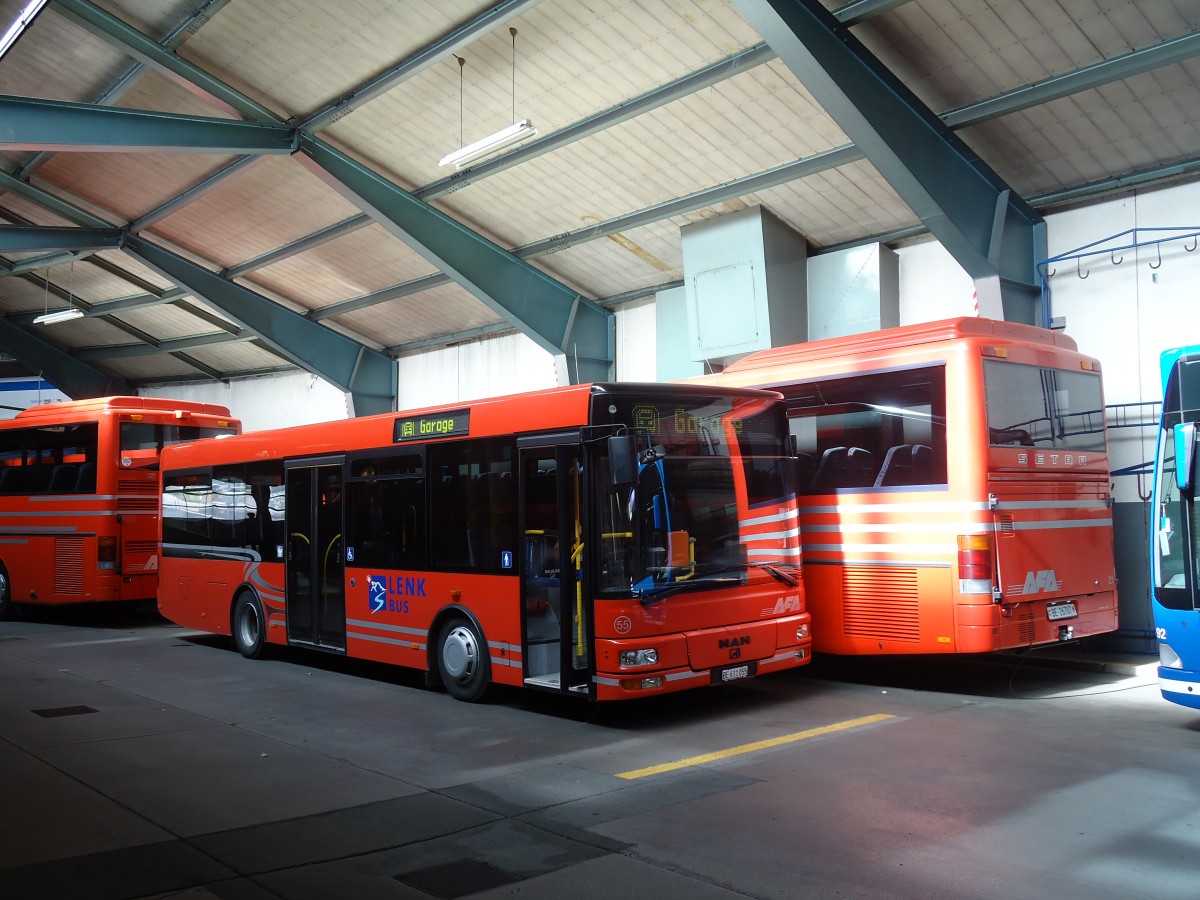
(391, 593)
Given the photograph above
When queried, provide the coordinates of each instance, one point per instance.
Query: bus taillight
(974, 564)
(106, 555)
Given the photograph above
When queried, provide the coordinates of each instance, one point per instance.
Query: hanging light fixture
(59, 315)
(518, 131)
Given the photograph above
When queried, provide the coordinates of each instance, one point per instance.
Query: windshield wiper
(714, 578)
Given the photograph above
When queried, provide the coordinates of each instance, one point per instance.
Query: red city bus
(603, 541)
(954, 486)
(79, 496)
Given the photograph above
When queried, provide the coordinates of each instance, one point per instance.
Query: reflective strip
(63, 513)
(914, 563)
(1171, 686)
(610, 682)
(381, 626)
(506, 661)
(1068, 523)
(683, 676)
(881, 548)
(1052, 504)
(379, 639)
(901, 528)
(775, 517)
(771, 535)
(768, 551)
(903, 508)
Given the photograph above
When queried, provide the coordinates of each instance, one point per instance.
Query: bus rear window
(1035, 406)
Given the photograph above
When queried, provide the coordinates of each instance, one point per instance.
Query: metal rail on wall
(1131, 239)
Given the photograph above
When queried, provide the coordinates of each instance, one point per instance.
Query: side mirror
(622, 460)
(1185, 455)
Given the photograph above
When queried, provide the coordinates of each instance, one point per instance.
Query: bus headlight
(1168, 658)
(645, 657)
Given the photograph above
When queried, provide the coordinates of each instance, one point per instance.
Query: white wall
(270, 402)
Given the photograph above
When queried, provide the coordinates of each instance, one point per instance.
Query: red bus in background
(954, 486)
(602, 541)
(79, 496)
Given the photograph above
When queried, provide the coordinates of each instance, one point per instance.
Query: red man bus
(954, 486)
(79, 496)
(602, 541)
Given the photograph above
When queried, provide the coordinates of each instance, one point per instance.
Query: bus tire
(8, 609)
(248, 626)
(463, 661)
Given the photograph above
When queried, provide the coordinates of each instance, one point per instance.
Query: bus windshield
(678, 527)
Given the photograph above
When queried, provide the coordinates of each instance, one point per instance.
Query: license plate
(1063, 610)
(732, 673)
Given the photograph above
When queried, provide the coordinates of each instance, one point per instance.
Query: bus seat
(860, 467)
(922, 464)
(12, 481)
(897, 466)
(831, 470)
(86, 483)
(37, 479)
(62, 479)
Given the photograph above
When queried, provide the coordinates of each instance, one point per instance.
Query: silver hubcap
(248, 625)
(460, 654)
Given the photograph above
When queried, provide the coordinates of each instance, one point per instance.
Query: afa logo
(391, 593)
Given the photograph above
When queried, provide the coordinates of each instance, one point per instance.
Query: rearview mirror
(622, 460)
(1185, 455)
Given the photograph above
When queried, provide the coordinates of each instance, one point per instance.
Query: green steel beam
(75, 378)
(30, 238)
(28, 124)
(367, 375)
(989, 230)
(558, 319)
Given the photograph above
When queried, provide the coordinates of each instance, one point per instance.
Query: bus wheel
(463, 661)
(8, 609)
(249, 631)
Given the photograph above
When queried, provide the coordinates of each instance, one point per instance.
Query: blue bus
(1174, 544)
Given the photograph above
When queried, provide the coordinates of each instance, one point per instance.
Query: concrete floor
(140, 760)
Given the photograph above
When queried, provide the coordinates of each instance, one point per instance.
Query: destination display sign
(435, 425)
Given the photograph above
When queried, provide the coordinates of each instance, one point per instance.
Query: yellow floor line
(750, 748)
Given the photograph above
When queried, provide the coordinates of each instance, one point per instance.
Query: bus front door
(554, 600)
(316, 599)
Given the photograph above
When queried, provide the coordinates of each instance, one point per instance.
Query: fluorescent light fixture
(517, 131)
(24, 19)
(59, 315)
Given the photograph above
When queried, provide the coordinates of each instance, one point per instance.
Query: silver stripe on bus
(948, 549)
(14, 540)
(380, 626)
(789, 551)
(775, 517)
(952, 527)
(1052, 504)
(59, 513)
(769, 535)
(683, 676)
(380, 639)
(907, 563)
(1066, 523)
(957, 506)
(611, 682)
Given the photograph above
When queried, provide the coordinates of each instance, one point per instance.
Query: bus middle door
(555, 600)
(316, 597)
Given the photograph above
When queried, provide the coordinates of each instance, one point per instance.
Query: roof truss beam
(567, 325)
(73, 377)
(366, 375)
(989, 230)
(80, 127)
